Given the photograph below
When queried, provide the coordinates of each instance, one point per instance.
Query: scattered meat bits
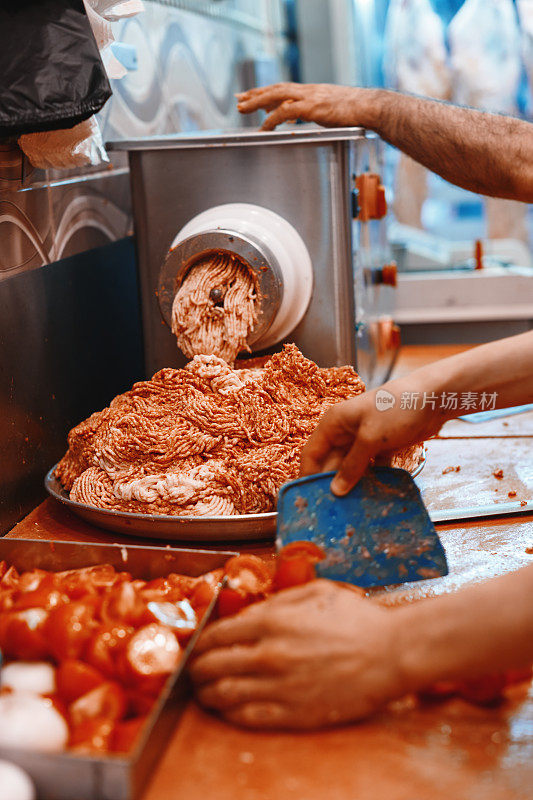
(498, 473)
(446, 470)
(523, 502)
(529, 551)
(512, 493)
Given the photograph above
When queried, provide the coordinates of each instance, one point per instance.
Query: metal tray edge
(117, 776)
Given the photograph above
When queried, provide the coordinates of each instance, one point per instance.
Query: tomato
(518, 675)
(201, 595)
(293, 571)
(296, 564)
(123, 605)
(174, 587)
(23, 634)
(122, 577)
(10, 579)
(90, 580)
(248, 579)
(310, 550)
(34, 579)
(7, 599)
(104, 649)
(44, 597)
(212, 578)
(101, 576)
(180, 617)
(248, 574)
(69, 627)
(230, 601)
(107, 701)
(152, 653)
(139, 703)
(126, 733)
(75, 678)
(92, 736)
(440, 690)
(484, 691)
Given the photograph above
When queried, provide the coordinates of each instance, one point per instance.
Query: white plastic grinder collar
(283, 251)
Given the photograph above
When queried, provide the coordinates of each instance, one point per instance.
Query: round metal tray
(239, 527)
(164, 526)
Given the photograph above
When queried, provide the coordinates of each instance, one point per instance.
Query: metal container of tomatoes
(64, 776)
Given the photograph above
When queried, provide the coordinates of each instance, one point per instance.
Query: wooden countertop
(451, 750)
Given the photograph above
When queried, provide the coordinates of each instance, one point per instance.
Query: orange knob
(478, 254)
(372, 201)
(389, 274)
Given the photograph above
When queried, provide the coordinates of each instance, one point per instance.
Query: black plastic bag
(51, 74)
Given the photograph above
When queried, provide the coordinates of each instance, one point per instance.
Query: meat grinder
(303, 207)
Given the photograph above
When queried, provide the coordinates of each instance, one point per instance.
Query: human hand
(326, 104)
(353, 432)
(307, 657)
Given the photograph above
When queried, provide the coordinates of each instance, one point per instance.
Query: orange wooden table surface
(449, 751)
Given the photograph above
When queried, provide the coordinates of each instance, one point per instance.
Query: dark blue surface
(378, 534)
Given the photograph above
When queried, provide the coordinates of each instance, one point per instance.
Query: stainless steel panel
(234, 138)
(114, 777)
(26, 232)
(70, 341)
(306, 182)
(90, 212)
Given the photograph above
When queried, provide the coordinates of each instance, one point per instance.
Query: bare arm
(319, 654)
(481, 630)
(485, 153)
(351, 433)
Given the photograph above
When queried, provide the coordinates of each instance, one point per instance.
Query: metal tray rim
(166, 701)
(62, 497)
(237, 527)
(299, 134)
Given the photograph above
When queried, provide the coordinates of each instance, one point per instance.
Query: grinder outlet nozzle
(216, 294)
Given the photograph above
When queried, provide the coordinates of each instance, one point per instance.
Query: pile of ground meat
(206, 440)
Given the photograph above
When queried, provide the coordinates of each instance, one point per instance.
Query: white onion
(34, 677)
(15, 784)
(31, 723)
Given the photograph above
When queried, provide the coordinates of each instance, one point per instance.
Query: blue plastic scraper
(378, 534)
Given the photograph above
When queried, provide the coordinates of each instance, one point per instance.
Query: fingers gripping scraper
(378, 534)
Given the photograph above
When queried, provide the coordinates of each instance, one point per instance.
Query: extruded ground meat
(214, 309)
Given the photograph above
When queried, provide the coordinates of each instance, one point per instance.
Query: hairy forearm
(481, 630)
(503, 368)
(485, 153)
